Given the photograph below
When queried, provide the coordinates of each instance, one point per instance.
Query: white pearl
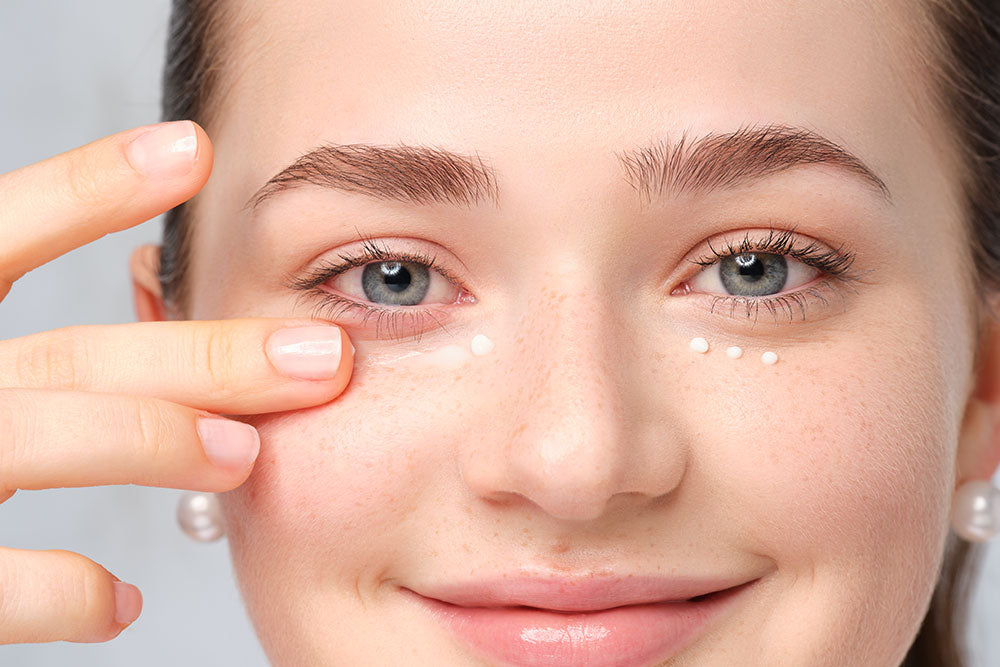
(481, 345)
(975, 511)
(699, 345)
(769, 358)
(200, 516)
(734, 352)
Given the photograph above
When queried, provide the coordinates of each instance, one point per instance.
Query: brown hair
(963, 55)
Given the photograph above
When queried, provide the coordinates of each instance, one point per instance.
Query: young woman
(589, 334)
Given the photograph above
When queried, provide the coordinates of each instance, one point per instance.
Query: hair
(962, 55)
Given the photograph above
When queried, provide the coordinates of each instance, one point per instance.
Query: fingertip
(175, 155)
(205, 154)
(165, 151)
(350, 345)
(311, 352)
(128, 602)
(347, 365)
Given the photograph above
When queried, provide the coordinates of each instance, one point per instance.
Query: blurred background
(74, 72)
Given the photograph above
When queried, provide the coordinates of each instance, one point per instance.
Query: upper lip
(589, 592)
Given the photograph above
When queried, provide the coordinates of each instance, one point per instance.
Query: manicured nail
(128, 602)
(227, 442)
(165, 151)
(306, 353)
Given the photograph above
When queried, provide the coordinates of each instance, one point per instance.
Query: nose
(581, 431)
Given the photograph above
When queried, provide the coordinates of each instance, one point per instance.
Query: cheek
(839, 448)
(837, 463)
(338, 483)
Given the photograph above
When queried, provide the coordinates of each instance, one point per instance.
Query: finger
(111, 184)
(55, 438)
(235, 366)
(57, 595)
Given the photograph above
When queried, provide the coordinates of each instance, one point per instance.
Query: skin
(139, 395)
(592, 437)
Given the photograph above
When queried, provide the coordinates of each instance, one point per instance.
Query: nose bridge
(571, 448)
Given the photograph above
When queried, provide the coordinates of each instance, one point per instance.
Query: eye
(397, 292)
(396, 283)
(750, 274)
(777, 270)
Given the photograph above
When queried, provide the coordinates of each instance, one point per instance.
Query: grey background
(73, 72)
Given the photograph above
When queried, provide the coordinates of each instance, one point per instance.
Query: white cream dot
(769, 358)
(481, 345)
(699, 345)
(734, 352)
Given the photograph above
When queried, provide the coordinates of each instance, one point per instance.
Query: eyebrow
(423, 175)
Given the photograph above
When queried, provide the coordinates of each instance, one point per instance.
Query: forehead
(574, 78)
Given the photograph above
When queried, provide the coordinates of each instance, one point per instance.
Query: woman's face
(592, 447)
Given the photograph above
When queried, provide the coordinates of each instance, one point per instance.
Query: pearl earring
(200, 516)
(975, 511)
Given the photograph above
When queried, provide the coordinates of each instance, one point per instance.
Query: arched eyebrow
(736, 158)
(423, 175)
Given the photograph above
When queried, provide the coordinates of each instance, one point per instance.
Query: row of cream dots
(701, 345)
(483, 345)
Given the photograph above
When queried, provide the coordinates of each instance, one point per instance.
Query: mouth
(588, 621)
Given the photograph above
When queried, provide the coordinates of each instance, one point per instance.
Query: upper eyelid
(836, 261)
(370, 252)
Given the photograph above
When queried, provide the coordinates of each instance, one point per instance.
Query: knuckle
(153, 427)
(215, 349)
(74, 590)
(19, 429)
(86, 179)
(10, 592)
(84, 599)
(57, 359)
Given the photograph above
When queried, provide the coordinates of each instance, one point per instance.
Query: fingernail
(306, 353)
(227, 442)
(165, 151)
(128, 602)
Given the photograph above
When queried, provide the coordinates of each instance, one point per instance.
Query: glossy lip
(590, 620)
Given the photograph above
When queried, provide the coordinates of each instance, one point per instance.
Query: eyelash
(333, 305)
(836, 263)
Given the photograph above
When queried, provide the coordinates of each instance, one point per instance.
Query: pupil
(750, 267)
(396, 277)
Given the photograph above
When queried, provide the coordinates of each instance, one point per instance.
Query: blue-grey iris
(395, 283)
(753, 273)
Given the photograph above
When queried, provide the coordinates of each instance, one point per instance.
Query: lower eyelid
(400, 322)
(800, 305)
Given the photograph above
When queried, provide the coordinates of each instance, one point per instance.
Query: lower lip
(629, 635)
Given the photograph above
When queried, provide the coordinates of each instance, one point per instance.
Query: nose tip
(566, 481)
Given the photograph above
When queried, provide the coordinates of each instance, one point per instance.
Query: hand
(128, 403)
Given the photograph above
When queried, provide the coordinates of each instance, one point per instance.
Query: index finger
(54, 206)
(232, 366)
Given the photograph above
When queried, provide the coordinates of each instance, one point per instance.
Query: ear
(979, 438)
(144, 266)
